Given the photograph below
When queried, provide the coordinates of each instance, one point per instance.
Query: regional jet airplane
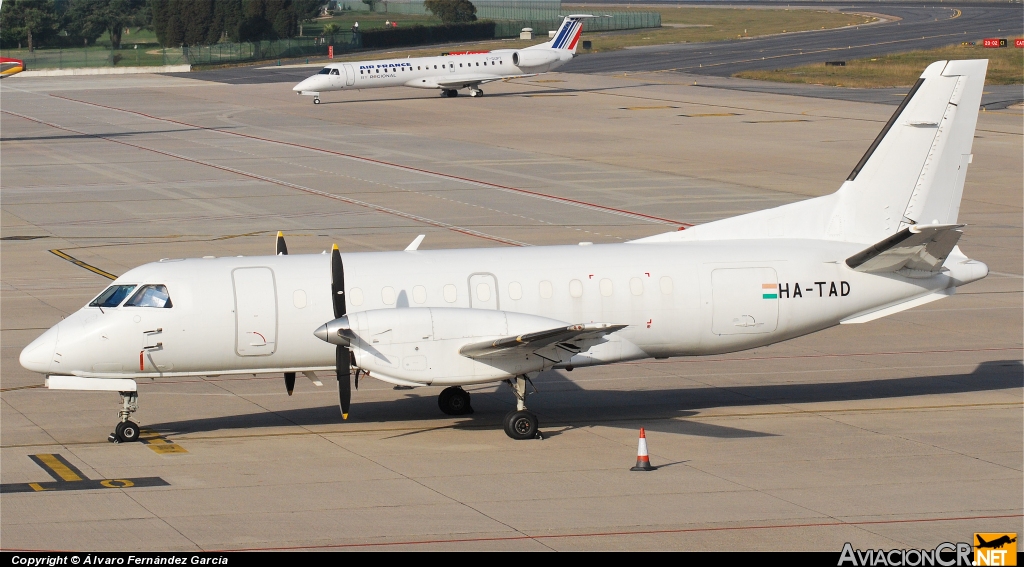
(886, 241)
(451, 72)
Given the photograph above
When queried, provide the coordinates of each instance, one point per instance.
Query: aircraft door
(350, 76)
(744, 301)
(483, 291)
(255, 311)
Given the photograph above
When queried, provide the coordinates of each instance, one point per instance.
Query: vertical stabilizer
(568, 35)
(914, 171)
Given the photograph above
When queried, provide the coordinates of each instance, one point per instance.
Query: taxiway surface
(904, 432)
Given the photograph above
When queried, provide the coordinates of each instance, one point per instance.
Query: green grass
(710, 24)
(717, 24)
(1005, 67)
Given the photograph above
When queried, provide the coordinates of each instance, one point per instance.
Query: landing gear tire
(476, 92)
(127, 432)
(450, 93)
(454, 401)
(316, 100)
(521, 425)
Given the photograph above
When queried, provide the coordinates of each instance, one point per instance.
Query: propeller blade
(282, 248)
(337, 283)
(342, 361)
(289, 381)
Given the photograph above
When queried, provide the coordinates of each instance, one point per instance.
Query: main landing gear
(521, 424)
(449, 93)
(454, 401)
(126, 431)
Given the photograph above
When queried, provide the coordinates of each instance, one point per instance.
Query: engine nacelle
(532, 59)
(421, 345)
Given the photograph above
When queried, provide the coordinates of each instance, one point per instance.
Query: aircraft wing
(460, 81)
(566, 338)
(917, 247)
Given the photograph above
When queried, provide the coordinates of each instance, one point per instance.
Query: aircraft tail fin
(913, 173)
(568, 34)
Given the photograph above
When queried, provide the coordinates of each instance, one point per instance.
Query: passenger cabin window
(636, 286)
(335, 72)
(112, 296)
(150, 296)
(325, 71)
(450, 293)
(546, 289)
(515, 291)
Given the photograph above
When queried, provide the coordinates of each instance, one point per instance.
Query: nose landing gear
(126, 430)
(316, 100)
(476, 92)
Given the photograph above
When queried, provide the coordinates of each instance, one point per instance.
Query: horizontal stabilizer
(531, 342)
(917, 247)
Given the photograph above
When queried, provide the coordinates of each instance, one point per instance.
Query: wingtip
(344, 416)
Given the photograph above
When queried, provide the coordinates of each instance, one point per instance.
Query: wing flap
(532, 342)
(918, 247)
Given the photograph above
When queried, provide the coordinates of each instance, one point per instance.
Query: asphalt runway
(904, 432)
(910, 28)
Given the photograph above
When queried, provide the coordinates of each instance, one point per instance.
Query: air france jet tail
(886, 241)
(467, 70)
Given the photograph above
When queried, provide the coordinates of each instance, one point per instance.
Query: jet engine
(531, 59)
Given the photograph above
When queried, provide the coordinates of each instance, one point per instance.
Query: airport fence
(485, 9)
(81, 57)
(615, 21)
(151, 56)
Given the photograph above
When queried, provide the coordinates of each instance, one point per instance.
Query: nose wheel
(316, 100)
(476, 92)
(126, 431)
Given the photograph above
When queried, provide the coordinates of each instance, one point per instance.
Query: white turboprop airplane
(883, 243)
(451, 72)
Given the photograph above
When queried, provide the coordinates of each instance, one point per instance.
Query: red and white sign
(994, 42)
(1019, 42)
(330, 51)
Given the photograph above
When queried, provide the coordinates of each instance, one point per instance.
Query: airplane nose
(38, 355)
(303, 86)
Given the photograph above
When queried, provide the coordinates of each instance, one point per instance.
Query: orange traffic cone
(643, 462)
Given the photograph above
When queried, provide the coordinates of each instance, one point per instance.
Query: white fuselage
(678, 299)
(450, 71)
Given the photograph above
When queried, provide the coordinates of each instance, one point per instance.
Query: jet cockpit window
(335, 72)
(325, 71)
(150, 296)
(112, 296)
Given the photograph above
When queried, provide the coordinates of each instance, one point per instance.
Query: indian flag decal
(770, 291)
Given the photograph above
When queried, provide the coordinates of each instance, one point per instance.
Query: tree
(111, 16)
(33, 21)
(452, 11)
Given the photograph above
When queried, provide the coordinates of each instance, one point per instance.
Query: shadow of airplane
(562, 404)
(558, 91)
(107, 134)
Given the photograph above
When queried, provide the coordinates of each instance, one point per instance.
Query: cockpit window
(150, 296)
(335, 72)
(325, 71)
(112, 296)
